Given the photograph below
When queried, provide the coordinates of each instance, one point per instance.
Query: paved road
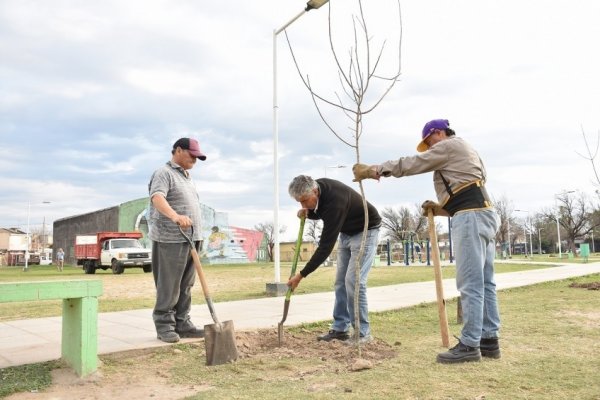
(37, 340)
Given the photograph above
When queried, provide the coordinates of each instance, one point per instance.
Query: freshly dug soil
(589, 285)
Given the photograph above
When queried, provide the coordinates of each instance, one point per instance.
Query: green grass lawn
(550, 341)
(226, 282)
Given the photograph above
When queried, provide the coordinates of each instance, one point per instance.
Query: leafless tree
(504, 209)
(268, 229)
(591, 157)
(577, 217)
(400, 223)
(313, 230)
(357, 72)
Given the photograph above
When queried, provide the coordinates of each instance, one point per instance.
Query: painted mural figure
(216, 243)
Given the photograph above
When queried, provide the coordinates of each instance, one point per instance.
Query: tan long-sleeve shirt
(454, 158)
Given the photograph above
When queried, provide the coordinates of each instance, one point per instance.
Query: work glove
(364, 171)
(438, 211)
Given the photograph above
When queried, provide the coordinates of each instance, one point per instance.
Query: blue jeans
(343, 309)
(473, 233)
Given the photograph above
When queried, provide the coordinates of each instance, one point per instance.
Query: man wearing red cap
(174, 202)
(458, 177)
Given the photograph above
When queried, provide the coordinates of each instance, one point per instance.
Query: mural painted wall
(222, 244)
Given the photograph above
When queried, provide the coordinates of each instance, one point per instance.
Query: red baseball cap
(192, 145)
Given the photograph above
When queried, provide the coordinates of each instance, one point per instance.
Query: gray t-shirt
(172, 182)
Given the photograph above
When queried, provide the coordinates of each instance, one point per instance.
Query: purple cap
(428, 129)
(192, 145)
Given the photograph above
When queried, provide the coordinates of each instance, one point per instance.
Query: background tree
(313, 230)
(577, 217)
(506, 231)
(268, 229)
(400, 223)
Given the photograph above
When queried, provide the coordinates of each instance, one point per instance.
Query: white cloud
(167, 81)
(93, 95)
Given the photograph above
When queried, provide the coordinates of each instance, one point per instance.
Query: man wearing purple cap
(174, 202)
(458, 178)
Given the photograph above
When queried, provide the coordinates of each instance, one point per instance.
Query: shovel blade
(286, 307)
(219, 340)
(280, 333)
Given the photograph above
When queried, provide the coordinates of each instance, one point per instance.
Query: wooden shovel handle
(439, 288)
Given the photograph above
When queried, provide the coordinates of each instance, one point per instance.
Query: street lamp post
(558, 234)
(26, 265)
(525, 234)
(593, 248)
(508, 231)
(28, 235)
(312, 4)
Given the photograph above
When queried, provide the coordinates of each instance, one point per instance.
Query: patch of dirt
(127, 286)
(589, 285)
(587, 319)
(262, 344)
(149, 378)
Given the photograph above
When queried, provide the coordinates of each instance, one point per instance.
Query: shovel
(219, 338)
(439, 288)
(286, 304)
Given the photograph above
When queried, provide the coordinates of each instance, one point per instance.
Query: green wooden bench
(79, 344)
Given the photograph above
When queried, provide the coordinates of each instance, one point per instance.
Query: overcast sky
(93, 95)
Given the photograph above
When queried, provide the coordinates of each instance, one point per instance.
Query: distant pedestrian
(174, 203)
(60, 259)
(341, 209)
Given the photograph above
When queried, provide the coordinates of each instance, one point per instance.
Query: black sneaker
(168, 337)
(191, 333)
(334, 335)
(459, 353)
(489, 348)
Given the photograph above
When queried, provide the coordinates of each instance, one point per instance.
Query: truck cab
(114, 250)
(125, 253)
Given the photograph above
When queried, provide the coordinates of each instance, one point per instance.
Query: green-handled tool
(288, 295)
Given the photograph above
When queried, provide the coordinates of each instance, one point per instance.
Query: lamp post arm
(291, 21)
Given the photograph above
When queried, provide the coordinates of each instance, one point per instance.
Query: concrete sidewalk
(38, 340)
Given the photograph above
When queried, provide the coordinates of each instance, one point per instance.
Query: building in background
(222, 244)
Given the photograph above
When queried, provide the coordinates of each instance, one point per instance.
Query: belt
(470, 197)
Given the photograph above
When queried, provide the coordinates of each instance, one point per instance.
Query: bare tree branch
(591, 157)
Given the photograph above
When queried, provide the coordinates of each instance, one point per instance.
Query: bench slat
(48, 290)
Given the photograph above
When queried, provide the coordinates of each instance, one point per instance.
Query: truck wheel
(89, 267)
(147, 268)
(116, 267)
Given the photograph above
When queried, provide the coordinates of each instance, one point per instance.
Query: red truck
(114, 250)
